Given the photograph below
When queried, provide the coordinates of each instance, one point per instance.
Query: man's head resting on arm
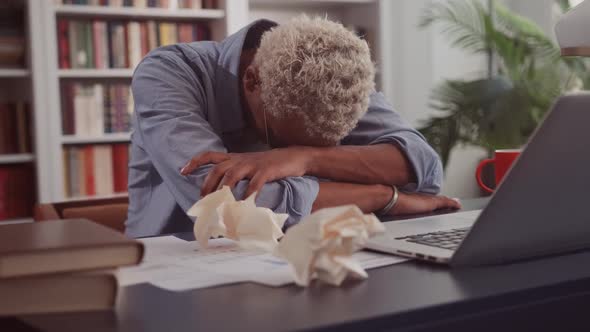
(308, 82)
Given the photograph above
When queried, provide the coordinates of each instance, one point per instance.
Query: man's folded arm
(381, 125)
(173, 129)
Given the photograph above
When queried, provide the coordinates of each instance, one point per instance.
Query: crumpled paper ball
(219, 214)
(321, 245)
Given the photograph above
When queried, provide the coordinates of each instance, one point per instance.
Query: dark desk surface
(544, 293)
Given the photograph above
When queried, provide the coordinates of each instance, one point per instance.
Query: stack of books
(61, 266)
(12, 36)
(95, 169)
(91, 110)
(119, 44)
(17, 191)
(15, 128)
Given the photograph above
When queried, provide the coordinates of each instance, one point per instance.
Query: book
(8, 129)
(98, 40)
(103, 169)
(81, 173)
(12, 36)
(134, 44)
(120, 161)
(15, 130)
(65, 245)
(104, 44)
(167, 33)
(88, 171)
(196, 4)
(172, 33)
(80, 44)
(22, 130)
(144, 35)
(185, 33)
(108, 127)
(67, 104)
(209, 4)
(57, 293)
(63, 43)
(153, 35)
(3, 194)
(88, 44)
(80, 103)
(117, 48)
(17, 191)
(96, 111)
(65, 153)
(73, 174)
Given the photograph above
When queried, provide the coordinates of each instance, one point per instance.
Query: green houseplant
(502, 107)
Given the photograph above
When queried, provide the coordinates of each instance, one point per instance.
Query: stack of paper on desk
(177, 265)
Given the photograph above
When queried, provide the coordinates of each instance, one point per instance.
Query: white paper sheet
(177, 265)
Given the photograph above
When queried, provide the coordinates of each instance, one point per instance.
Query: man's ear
(251, 79)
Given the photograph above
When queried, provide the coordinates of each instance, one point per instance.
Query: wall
(422, 58)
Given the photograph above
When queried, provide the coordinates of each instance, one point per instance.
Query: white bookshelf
(16, 158)
(14, 73)
(15, 86)
(95, 73)
(133, 12)
(106, 138)
(82, 198)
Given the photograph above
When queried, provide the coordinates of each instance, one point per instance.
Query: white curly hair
(317, 70)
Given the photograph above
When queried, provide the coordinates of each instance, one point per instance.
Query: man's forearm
(373, 164)
(369, 198)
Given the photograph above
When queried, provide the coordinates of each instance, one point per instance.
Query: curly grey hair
(318, 71)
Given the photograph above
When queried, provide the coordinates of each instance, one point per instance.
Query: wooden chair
(111, 212)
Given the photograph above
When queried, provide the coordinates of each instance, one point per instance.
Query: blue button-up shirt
(187, 102)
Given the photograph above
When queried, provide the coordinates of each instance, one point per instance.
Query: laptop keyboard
(443, 239)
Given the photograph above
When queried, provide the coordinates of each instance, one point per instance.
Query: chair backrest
(111, 212)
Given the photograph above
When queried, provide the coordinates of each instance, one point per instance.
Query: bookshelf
(17, 114)
(95, 73)
(106, 138)
(53, 143)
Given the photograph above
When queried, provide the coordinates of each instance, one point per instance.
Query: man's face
(282, 132)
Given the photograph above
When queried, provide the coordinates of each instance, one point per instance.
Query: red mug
(503, 159)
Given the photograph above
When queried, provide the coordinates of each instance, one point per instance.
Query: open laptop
(541, 207)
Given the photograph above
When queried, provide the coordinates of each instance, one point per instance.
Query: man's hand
(422, 203)
(259, 167)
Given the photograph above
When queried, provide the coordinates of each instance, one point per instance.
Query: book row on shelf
(90, 110)
(17, 191)
(12, 36)
(119, 44)
(99, 169)
(15, 128)
(172, 4)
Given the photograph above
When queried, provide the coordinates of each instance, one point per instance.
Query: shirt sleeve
(170, 117)
(381, 124)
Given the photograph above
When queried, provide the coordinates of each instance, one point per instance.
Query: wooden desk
(544, 294)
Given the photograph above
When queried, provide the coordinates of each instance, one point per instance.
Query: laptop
(541, 207)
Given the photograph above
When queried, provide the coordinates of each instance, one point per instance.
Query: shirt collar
(227, 85)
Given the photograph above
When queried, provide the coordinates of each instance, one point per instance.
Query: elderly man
(286, 111)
